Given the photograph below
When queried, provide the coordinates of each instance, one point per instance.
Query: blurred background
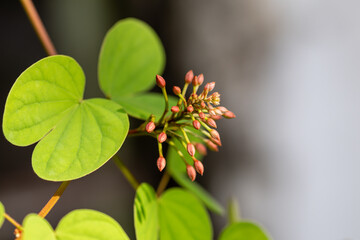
(288, 69)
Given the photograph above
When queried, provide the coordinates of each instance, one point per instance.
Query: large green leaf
(177, 170)
(77, 136)
(37, 228)
(87, 224)
(131, 55)
(182, 216)
(2, 212)
(143, 105)
(243, 231)
(145, 213)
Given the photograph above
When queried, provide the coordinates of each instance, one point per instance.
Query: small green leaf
(243, 231)
(182, 216)
(131, 55)
(87, 224)
(145, 213)
(77, 136)
(2, 212)
(37, 228)
(177, 170)
(143, 105)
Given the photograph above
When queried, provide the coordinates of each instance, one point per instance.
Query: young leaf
(182, 216)
(146, 213)
(37, 228)
(130, 57)
(77, 136)
(87, 224)
(2, 212)
(143, 105)
(177, 170)
(243, 231)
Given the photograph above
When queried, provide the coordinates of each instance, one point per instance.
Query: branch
(53, 200)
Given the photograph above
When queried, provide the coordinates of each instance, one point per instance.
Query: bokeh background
(288, 69)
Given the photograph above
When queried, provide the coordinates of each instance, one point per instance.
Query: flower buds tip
(196, 124)
(176, 90)
(191, 172)
(199, 167)
(160, 81)
(191, 149)
(211, 122)
(201, 149)
(229, 115)
(161, 162)
(189, 76)
(175, 109)
(162, 137)
(150, 126)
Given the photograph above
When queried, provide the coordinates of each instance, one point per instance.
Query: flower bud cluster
(199, 110)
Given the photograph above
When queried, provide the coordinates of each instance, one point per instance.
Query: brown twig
(38, 26)
(163, 183)
(53, 200)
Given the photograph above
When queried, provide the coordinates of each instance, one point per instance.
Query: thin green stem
(163, 183)
(166, 105)
(185, 135)
(13, 222)
(126, 172)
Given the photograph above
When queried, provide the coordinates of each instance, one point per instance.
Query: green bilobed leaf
(41, 96)
(131, 55)
(2, 212)
(146, 213)
(243, 231)
(182, 216)
(37, 228)
(82, 142)
(87, 224)
(77, 136)
(143, 105)
(177, 170)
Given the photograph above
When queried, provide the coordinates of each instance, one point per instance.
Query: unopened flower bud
(215, 134)
(211, 86)
(190, 108)
(189, 76)
(175, 109)
(195, 81)
(218, 112)
(216, 141)
(212, 112)
(196, 124)
(202, 104)
(199, 167)
(191, 149)
(176, 90)
(160, 81)
(222, 109)
(212, 146)
(211, 122)
(229, 115)
(191, 172)
(202, 115)
(216, 117)
(200, 79)
(150, 126)
(201, 148)
(161, 162)
(162, 137)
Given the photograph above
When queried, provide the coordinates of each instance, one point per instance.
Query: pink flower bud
(190, 108)
(211, 122)
(207, 87)
(222, 109)
(229, 115)
(195, 81)
(218, 112)
(150, 126)
(196, 124)
(215, 134)
(216, 141)
(211, 86)
(191, 172)
(202, 104)
(176, 90)
(191, 149)
(160, 81)
(199, 167)
(162, 137)
(189, 76)
(161, 162)
(216, 117)
(212, 146)
(202, 115)
(200, 79)
(175, 109)
(201, 148)
(212, 112)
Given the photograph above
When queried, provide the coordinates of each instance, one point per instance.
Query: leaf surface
(146, 213)
(37, 228)
(182, 216)
(243, 231)
(131, 56)
(2, 212)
